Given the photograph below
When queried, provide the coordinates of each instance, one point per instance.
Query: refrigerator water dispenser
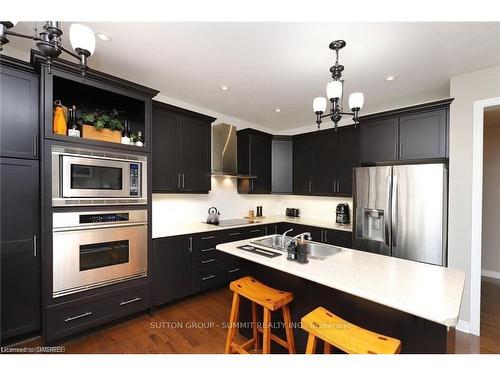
(373, 224)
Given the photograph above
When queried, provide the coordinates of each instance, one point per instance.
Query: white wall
(490, 258)
(465, 88)
(176, 208)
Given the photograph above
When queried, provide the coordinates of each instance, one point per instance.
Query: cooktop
(233, 222)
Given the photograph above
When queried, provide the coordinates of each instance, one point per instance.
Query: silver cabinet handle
(394, 211)
(208, 261)
(255, 230)
(310, 186)
(190, 244)
(396, 150)
(35, 146)
(70, 318)
(210, 249)
(234, 234)
(178, 180)
(234, 270)
(207, 278)
(183, 184)
(130, 301)
(34, 246)
(208, 238)
(324, 235)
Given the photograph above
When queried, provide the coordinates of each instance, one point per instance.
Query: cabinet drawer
(205, 241)
(236, 234)
(233, 267)
(75, 316)
(209, 258)
(207, 277)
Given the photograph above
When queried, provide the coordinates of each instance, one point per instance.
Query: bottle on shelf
(74, 130)
(126, 133)
(59, 125)
(140, 139)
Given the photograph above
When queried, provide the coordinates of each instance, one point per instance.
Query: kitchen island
(411, 301)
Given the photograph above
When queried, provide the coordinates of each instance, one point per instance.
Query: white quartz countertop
(177, 229)
(430, 292)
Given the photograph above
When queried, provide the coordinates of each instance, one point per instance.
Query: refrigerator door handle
(387, 232)
(394, 209)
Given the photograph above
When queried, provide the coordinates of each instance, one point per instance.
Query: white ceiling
(285, 65)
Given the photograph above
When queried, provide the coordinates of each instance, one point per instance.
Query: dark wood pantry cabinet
(19, 247)
(181, 146)
(254, 159)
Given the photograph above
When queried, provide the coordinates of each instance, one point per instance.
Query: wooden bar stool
(349, 338)
(271, 300)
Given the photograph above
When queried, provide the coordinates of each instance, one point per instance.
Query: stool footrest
(275, 338)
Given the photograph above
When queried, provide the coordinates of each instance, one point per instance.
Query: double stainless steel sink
(315, 250)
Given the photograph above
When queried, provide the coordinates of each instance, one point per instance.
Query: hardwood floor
(489, 341)
(171, 329)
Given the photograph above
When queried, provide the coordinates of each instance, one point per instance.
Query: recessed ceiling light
(103, 36)
(390, 78)
(224, 87)
(277, 110)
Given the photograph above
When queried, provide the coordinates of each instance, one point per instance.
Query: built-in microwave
(93, 177)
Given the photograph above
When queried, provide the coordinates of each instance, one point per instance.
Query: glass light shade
(319, 104)
(334, 90)
(356, 100)
(82, 37)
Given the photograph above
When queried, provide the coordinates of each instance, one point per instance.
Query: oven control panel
(103, 218)
(134, 179)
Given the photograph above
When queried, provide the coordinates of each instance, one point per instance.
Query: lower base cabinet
(190, 264)
(75, 316)
(171, 268)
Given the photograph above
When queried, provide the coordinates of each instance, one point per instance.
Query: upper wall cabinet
(409, 134)
(282, 165)
(254, 158)
(181, 150)
(323, 161)
(95, 91)
(18, 111)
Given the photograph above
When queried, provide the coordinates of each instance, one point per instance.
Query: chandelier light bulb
(82, 37)
(334, 90)
(356, 100)
(319, 104)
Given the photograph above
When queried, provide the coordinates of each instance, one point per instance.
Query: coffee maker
(342, 216)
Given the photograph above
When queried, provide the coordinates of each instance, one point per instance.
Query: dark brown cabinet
(20, 253)
(181, 150)
(379, 140)
(254, 158)
(282, 165)
(303, 164)
(323, 162)
(19, 113)
(423, 135)
(171, 268)
(414, 133)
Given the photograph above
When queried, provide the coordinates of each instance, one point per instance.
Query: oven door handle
(106, 226)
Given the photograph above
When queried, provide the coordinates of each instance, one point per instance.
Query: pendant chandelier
(334, 93)
(49, 41)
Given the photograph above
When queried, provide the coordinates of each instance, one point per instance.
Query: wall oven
(93, 177)
(93, 249)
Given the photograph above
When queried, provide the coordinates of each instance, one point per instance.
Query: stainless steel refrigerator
(401, 211)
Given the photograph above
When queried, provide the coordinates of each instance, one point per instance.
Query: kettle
(213, 216)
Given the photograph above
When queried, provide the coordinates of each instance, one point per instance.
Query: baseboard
(463, 326)
(488, 273)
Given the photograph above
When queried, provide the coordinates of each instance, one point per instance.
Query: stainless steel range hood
(224, 152)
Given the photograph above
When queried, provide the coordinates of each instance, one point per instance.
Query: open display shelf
(95, 91)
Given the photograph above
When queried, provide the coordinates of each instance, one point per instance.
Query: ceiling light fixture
(224, 87)
(334, 92)
(105, 37)
(390, 78)
(49, 41)
(277, 110)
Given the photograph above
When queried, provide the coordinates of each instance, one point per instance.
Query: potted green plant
(101, 126)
